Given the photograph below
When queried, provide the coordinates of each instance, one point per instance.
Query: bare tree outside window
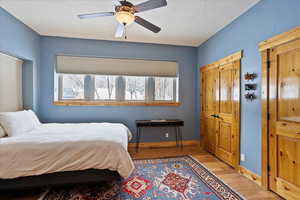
(105, 87)
(135, 88)
(73, 86)
(164, 89)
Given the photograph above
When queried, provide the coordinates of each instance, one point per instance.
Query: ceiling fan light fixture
(125, 14)
(125, 17)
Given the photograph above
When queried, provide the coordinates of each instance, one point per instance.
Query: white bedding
(66, 147)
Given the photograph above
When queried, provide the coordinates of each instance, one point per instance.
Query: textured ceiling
(183, 22)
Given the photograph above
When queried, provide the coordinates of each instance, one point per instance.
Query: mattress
(66, 147)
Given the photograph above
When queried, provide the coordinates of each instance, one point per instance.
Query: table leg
(180, 137)
(176, 135)
(138, 137)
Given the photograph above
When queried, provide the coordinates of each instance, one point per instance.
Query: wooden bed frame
(59, 178)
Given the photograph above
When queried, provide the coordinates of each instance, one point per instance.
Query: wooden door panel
(289, 85)
(224, 136)
(287, 190)
(209, 106)
(284, 136)
(210, 131)
(225, 88)
(225, 141)
(289, 160)
(291, 130)
(209, 91)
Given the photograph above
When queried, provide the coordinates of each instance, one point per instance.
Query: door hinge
(269, 168)
(268, 116)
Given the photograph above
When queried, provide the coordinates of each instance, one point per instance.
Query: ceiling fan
(125, 14)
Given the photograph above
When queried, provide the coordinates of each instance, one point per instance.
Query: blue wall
(266, 19)
(186, 57)
(18, 40)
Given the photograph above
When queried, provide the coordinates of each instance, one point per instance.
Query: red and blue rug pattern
(178, 178)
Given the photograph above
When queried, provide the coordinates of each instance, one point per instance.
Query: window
(115, 81)
(116, 88)
(164, 89)
(105, 87)
(135, 88)
(72, 86)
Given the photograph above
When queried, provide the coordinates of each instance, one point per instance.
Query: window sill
(115, 103)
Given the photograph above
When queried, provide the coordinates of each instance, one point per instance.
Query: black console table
(176, 123)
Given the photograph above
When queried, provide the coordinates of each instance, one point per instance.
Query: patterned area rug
(181, 178)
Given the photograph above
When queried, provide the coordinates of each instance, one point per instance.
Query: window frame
(59, 101)
(61, 89)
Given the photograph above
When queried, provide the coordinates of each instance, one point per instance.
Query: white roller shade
(10, 83)
(111, 66)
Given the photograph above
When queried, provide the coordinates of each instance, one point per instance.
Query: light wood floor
(238, 182)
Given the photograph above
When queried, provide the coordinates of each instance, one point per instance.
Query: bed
(34, 154)
(51, 154)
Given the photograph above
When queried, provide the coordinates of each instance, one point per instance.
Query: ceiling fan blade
(147, 24)
(116, 2)
(149, 5)
(120, 30)
(93, 15)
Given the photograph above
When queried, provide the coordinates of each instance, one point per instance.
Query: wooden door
(209, 108)
(227, 138)
(284, 125)
(220, 108)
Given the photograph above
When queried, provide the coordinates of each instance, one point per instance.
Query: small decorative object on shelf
(250, 96)
(250, 76)
(250, 86)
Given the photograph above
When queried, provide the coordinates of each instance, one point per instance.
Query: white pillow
(34, 118)
(16, 123)
(2, 132)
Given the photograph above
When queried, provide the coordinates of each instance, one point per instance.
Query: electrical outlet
(166, 135)
(243, 157)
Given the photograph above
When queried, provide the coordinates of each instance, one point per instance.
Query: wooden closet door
(220, 111)
(284, 128)
(209, 108)
(227, 120)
